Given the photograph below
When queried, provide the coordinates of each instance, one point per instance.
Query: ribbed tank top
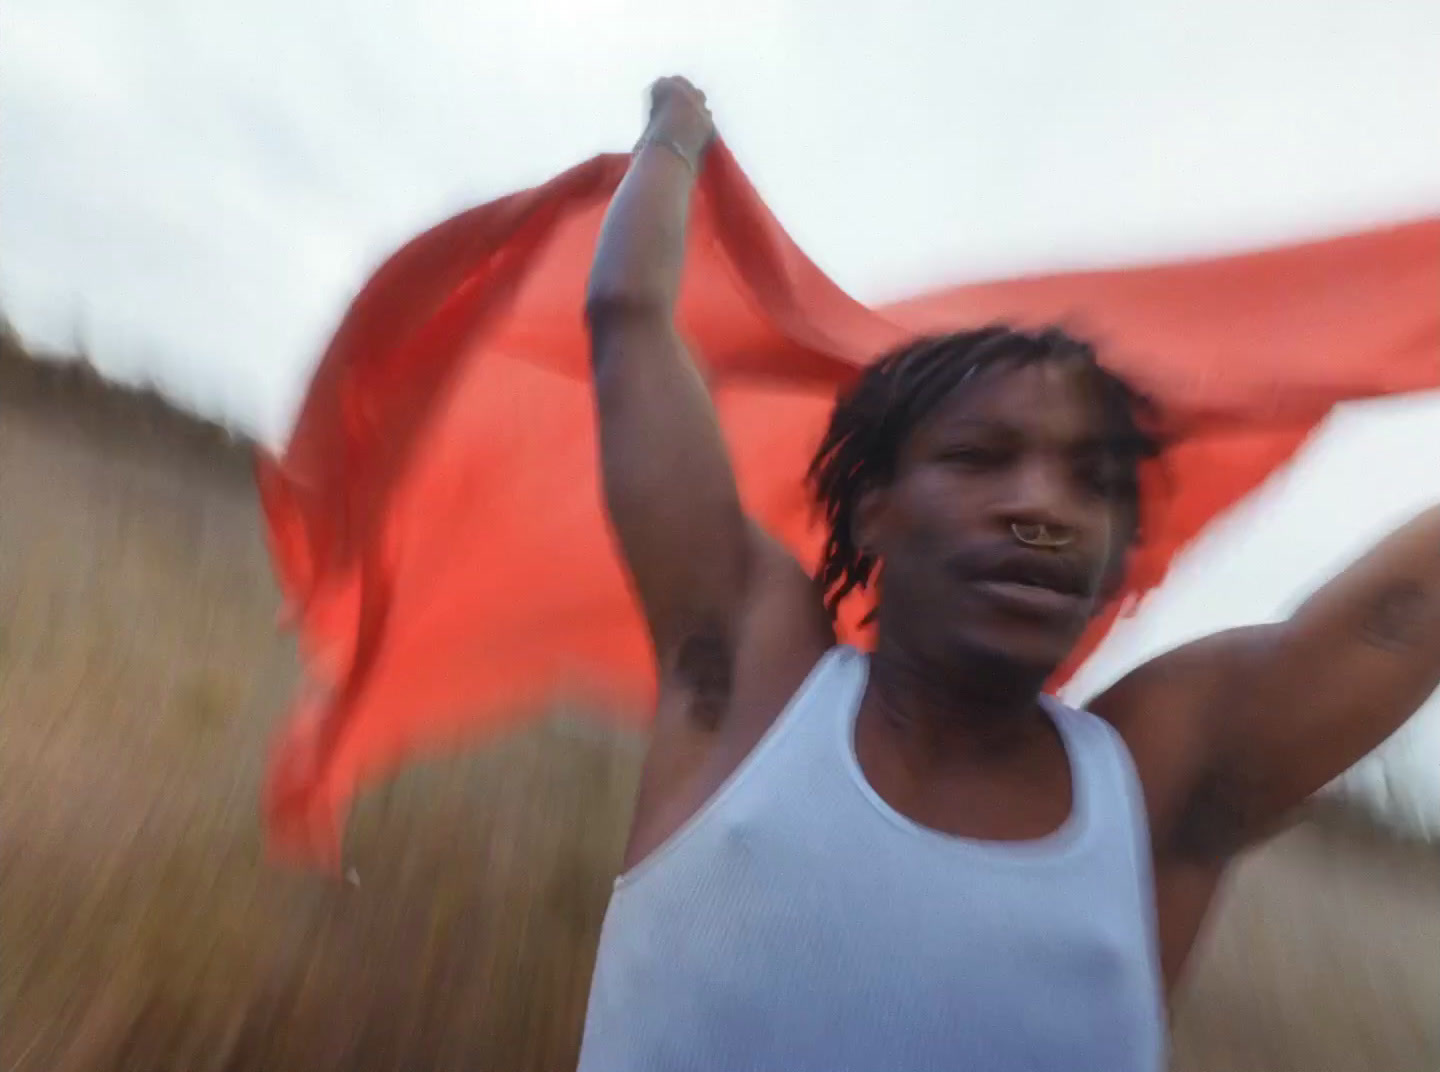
(799, 923)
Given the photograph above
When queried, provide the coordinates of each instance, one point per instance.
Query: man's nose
(1041, 495)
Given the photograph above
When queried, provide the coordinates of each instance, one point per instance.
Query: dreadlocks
(873, 418)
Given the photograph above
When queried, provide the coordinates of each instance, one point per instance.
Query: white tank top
(799, 923)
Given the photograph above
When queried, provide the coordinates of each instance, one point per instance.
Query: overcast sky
(194, 188)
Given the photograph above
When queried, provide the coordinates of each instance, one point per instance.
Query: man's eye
(973, 456)
(1099, 476)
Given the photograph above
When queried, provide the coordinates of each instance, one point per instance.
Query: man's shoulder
(1159, 709)
(1167, 691)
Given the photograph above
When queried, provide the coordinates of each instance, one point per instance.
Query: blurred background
(191, 192)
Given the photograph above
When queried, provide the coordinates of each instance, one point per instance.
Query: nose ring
(1040, 535)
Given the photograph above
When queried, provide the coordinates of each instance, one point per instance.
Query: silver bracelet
(665, 143)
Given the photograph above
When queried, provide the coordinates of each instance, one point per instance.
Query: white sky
(195, 188)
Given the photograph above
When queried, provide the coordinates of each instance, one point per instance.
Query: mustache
(1005, 562)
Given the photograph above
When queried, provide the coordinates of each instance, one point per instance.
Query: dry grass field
(140, 677)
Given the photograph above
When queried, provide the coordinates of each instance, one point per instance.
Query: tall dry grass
(140, 675)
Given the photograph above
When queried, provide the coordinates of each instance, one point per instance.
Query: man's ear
(867, 526)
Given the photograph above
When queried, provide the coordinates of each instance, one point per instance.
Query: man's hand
(679, 119)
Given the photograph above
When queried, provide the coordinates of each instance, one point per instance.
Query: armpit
(1396, 621)
(1219, 819)
(705, 669)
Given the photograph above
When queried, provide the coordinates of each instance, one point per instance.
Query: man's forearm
(641, 251)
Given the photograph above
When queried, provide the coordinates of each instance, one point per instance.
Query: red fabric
(436, 523)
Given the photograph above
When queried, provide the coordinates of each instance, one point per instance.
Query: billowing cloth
(436, 522)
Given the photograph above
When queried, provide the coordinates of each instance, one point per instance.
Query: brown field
(140, 677)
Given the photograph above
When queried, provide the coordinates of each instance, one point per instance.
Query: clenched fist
(679, 119)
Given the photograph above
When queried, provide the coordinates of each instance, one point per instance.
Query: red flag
(436, 521)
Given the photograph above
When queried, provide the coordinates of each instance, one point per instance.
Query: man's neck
(960, 711)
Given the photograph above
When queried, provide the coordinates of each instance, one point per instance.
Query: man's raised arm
(1277, 711)
(668, 483)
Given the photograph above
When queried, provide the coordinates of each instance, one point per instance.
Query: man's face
(997, 532)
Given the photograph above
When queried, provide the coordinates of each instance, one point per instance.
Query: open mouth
(1035, 586)
(1045, 572)
(1031, 600)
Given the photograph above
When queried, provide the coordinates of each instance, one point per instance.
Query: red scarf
(436, 522)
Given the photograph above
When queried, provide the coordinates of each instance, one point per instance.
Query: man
(914, 859)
